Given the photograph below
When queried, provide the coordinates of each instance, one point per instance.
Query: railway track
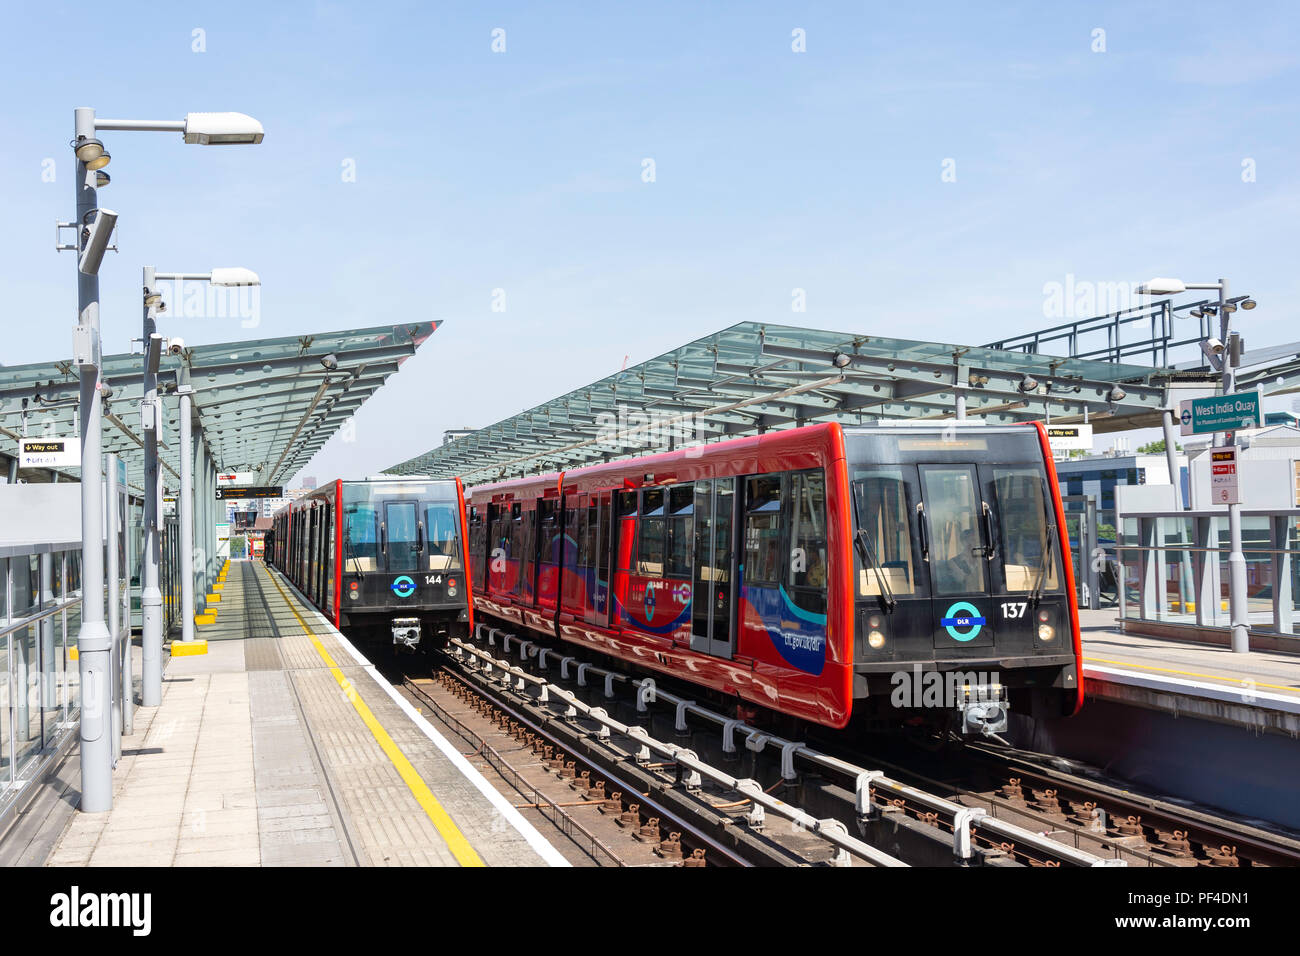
(1029, 815)
(814, 807)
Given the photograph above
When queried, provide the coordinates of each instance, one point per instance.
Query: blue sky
(774, 170)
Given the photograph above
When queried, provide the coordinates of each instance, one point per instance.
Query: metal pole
(185, 509)
(93, 640)
(113, 514)
(1171, 458)
(200, 540)
(151, 635)
(1175, 479)
(1236, 559)
(49, 674)
(128, 682)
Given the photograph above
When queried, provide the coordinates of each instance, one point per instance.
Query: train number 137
(1014, 608)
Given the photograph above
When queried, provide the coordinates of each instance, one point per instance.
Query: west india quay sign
(1224, 413)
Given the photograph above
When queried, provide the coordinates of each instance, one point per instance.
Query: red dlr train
(885, 573)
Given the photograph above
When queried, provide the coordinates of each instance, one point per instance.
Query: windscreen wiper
(863, 541)
(1044, 565)
(356, 562)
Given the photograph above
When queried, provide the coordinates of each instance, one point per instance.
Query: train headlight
(876, 631)
(1046, 632)
(451, 591)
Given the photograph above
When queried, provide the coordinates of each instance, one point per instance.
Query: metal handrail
(33, 618)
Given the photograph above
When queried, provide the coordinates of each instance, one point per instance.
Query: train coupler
(406, 632)
(983, 709)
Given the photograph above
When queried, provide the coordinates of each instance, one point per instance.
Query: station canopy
(754, 377)
(263, 406)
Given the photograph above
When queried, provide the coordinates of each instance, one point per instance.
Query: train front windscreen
(402, 551)
(958, 565)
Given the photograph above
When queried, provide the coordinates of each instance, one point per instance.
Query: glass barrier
(1176, 569)
(40, 615)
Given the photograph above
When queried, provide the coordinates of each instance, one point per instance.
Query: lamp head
(222, 129)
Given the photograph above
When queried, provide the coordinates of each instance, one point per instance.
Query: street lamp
(1228, 359)
(151, 425)
(94, 643)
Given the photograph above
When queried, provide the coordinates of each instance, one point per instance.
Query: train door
(400, 539)
(714, 574)
(958, 546)
(600, 591)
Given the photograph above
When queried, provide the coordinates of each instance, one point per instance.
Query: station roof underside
(264, 405)
(755, 377)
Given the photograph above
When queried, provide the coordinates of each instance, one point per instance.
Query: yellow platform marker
(208, 618)
(456, 842)
(73, 653)
(193, 648)
(214, 598)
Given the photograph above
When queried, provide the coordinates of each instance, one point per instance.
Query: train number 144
(1014, 608)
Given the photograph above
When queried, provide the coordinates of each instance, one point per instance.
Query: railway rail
(867, 800)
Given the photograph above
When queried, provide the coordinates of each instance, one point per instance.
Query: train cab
(959, 572)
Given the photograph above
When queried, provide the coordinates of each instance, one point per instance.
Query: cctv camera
(95, 238)
(175, 346)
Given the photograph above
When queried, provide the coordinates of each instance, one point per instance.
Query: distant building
(1097, 475)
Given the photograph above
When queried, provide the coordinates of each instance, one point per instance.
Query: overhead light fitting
(840, 360)
(1248, 304)
(1162, 285)
(89, 149)
(330, 362)
(1028, 384)
(1116, 394)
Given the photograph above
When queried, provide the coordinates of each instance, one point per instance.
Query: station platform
(1259, 689)
(283, 746)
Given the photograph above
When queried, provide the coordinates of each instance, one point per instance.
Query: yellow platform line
(1218, 677)
(456, 842)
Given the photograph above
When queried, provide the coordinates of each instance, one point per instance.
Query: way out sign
(50, 452)
(1070, 437)
(1224, 488)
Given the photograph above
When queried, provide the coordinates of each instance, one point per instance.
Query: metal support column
(93, 641)
(1283, 606)
(113, 515)
(185, 508)
(128, 681)
(151, 635)
(1236, 559)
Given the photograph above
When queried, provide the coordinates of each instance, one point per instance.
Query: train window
(550, 540)
(763, 530)
(953, 509)
(681, 504)
(1022, 517)
(884, 512)
(626, 505)
(590, 536)
(651, 534)
(442, 535)
(360, 537)
(515, 546)
(806, 578)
